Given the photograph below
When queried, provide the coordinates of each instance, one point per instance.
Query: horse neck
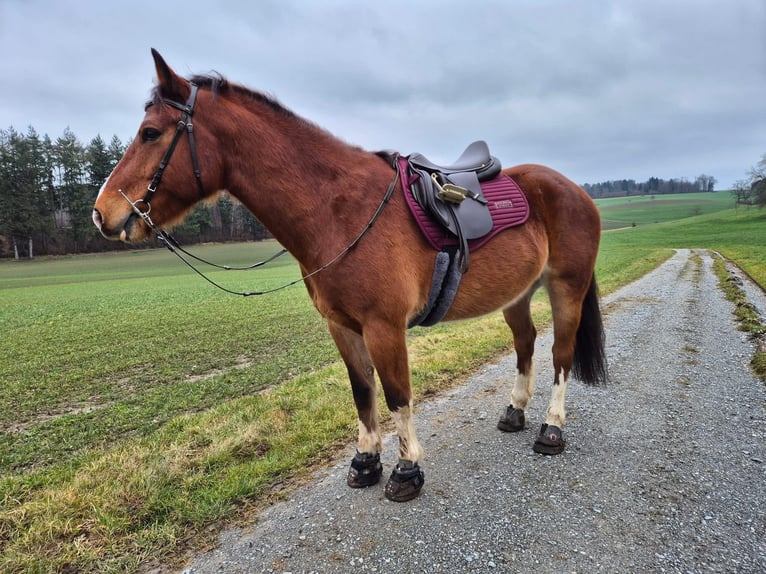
(311, 190)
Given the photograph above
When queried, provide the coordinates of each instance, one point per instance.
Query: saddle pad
(507, 204)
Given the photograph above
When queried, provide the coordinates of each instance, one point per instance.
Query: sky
(596, 89)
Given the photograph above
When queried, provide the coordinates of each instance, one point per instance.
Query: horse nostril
(97, 220)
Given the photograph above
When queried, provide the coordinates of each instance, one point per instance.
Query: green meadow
(620, 212)
(141, 409)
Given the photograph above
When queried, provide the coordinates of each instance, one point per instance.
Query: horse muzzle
(128, 230)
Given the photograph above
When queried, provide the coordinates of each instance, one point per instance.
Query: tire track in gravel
(663, 472)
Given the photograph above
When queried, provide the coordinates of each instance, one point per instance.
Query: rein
(174, 247)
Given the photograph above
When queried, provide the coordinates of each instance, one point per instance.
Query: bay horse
(315, 194)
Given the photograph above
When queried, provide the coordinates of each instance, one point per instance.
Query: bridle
(185, 124)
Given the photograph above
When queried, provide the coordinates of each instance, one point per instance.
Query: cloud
(597, 89)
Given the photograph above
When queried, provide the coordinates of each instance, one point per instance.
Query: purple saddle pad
(507, 204)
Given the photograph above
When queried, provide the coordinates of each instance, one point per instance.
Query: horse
(316, 193)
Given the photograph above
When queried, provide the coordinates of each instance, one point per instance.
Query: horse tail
(589, 363)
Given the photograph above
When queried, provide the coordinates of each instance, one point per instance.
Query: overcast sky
(596, 89)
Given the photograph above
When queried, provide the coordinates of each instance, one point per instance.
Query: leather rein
(185, 124)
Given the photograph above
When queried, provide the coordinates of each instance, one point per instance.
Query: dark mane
(218, 84)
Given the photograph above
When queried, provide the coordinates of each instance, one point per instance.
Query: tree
(116, 151)
(75, 194)
(705, 182)
(758, 182)
(758, 189)
(25, 207)
(752, 191)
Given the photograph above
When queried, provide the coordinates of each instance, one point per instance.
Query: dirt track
(664, 469)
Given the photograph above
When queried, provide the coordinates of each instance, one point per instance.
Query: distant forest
(652, 186)
(47, 191)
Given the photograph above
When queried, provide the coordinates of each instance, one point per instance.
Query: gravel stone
(663, 469)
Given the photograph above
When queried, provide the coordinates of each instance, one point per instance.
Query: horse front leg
(366, 468)
(388, 348)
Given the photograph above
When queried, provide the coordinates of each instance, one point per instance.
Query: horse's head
(162, 174)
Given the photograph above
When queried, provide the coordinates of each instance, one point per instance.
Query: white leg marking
(523, 387)
(369, 440)
(409, 447)
(556, 411)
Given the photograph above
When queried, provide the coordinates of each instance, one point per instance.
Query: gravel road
(663, 471)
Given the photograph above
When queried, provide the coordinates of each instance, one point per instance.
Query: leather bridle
(173, 246)
(184, 124)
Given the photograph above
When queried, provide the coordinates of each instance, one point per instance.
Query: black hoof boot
(405, 482)
(549, 441)
(512, 420)
(365, 470)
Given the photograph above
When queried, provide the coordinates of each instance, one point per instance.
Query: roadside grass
(746, 314)
(140, 409)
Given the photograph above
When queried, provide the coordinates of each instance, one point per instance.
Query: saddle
(458, 208)
(452, 194)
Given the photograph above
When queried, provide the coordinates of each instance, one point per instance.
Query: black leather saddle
(452, 194)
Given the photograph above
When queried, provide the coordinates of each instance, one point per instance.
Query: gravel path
(664, 468)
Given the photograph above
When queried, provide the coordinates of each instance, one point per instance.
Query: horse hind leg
(566, 305)
(365, 469)
(519, 318)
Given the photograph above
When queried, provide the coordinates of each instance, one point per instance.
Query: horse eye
(150, 134)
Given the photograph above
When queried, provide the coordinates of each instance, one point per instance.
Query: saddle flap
(472, 213)
(469, 219)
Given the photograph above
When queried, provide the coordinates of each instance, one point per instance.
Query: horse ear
(170, 84)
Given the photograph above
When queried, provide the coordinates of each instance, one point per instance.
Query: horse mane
(218, 84)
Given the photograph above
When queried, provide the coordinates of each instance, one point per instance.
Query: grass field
(620, 212)
(140, 408)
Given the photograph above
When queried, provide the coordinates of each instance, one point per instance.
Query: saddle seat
(476, 158)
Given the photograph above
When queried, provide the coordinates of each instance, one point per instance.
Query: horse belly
(501, 272)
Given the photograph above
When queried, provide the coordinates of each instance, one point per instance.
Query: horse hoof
(365, 470)
(512, 420)
(549, 441)
(405, 482)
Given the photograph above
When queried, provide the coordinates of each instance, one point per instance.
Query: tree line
(652, 186)
(47, 191)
